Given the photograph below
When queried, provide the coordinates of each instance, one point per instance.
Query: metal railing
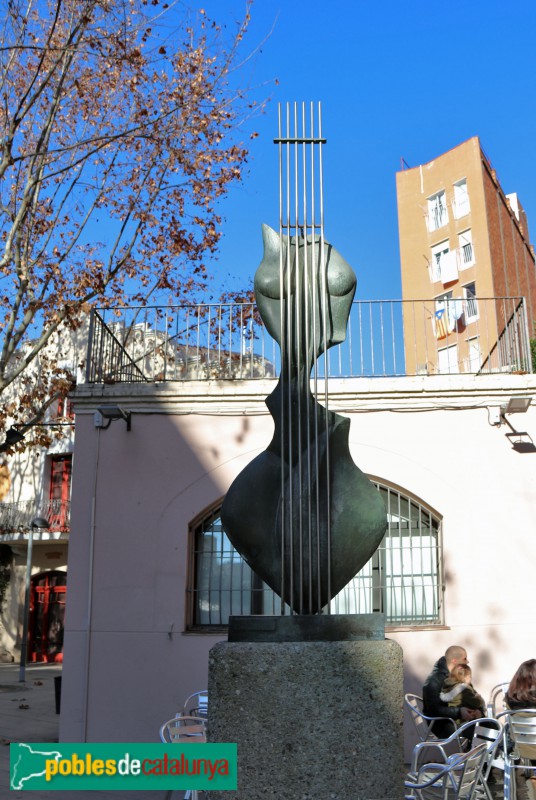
(16, 517)
(384, 338)
(199, 342)
(437, 216)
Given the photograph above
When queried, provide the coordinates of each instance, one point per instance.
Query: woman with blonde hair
(458, 690)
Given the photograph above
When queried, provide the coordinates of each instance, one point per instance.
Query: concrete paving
(28, 714)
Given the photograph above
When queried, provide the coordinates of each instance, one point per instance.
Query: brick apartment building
(464, 246)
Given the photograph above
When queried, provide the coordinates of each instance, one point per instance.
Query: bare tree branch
(118, 137)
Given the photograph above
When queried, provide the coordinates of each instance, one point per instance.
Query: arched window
(403, 578)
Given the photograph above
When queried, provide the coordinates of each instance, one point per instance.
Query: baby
(458, 690)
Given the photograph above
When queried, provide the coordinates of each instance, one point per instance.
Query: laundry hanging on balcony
(455, 309)
(449, 267)
(441, 324)
(446, 318)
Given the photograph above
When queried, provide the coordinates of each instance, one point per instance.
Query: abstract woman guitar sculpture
(302, 514)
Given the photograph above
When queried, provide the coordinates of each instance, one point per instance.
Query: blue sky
(396, 80)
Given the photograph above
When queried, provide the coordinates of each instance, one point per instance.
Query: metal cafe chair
(494, 736)
(180, 730)
(196, 704)
(496, 702)
(520, 752)
(481, 731)
(456, 779)
(422, 723)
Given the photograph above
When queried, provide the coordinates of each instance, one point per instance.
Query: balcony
(445, 266)
(17, 517)
(384, 338)
(437, 216)
(198, 342)
(465, 255)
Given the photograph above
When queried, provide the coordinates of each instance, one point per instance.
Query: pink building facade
(140, 621)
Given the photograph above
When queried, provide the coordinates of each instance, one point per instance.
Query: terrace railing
(17, 517)
(384, 338)
(199, 342)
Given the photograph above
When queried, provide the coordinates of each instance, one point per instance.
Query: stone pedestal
(318, 719)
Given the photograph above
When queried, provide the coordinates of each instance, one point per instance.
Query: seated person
(433, 706)
(459, 691)
(522, 694)
(522, 689)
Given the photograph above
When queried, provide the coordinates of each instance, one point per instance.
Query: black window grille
(402, 579)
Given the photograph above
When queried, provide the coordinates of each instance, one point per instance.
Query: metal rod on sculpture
(291, 344)
(305, 515)
(316, 265)
(325, 340)
(283, 355)
(307, 325)
(299, 289)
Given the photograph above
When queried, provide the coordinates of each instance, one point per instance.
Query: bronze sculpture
(302, 514)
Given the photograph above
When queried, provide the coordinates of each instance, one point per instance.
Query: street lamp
(110, 413)
(35, 524)
(13, 436)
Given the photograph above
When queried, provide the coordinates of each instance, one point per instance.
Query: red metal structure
(60, 492)
(47, 611)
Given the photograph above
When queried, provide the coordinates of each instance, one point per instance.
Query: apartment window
(471, 304)
(60, 492)
(466, 257)
(474, 360)
(437, 211)
(461, 203)
(448, 313)
(443, 265)
(443, 300)
(441, 320)
(439, 254)
(65, 408)
(447, 360)
(402, 579)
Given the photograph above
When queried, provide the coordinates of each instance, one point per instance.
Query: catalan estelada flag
(440, 323)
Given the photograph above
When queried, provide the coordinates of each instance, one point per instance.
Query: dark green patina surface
(302, 514)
